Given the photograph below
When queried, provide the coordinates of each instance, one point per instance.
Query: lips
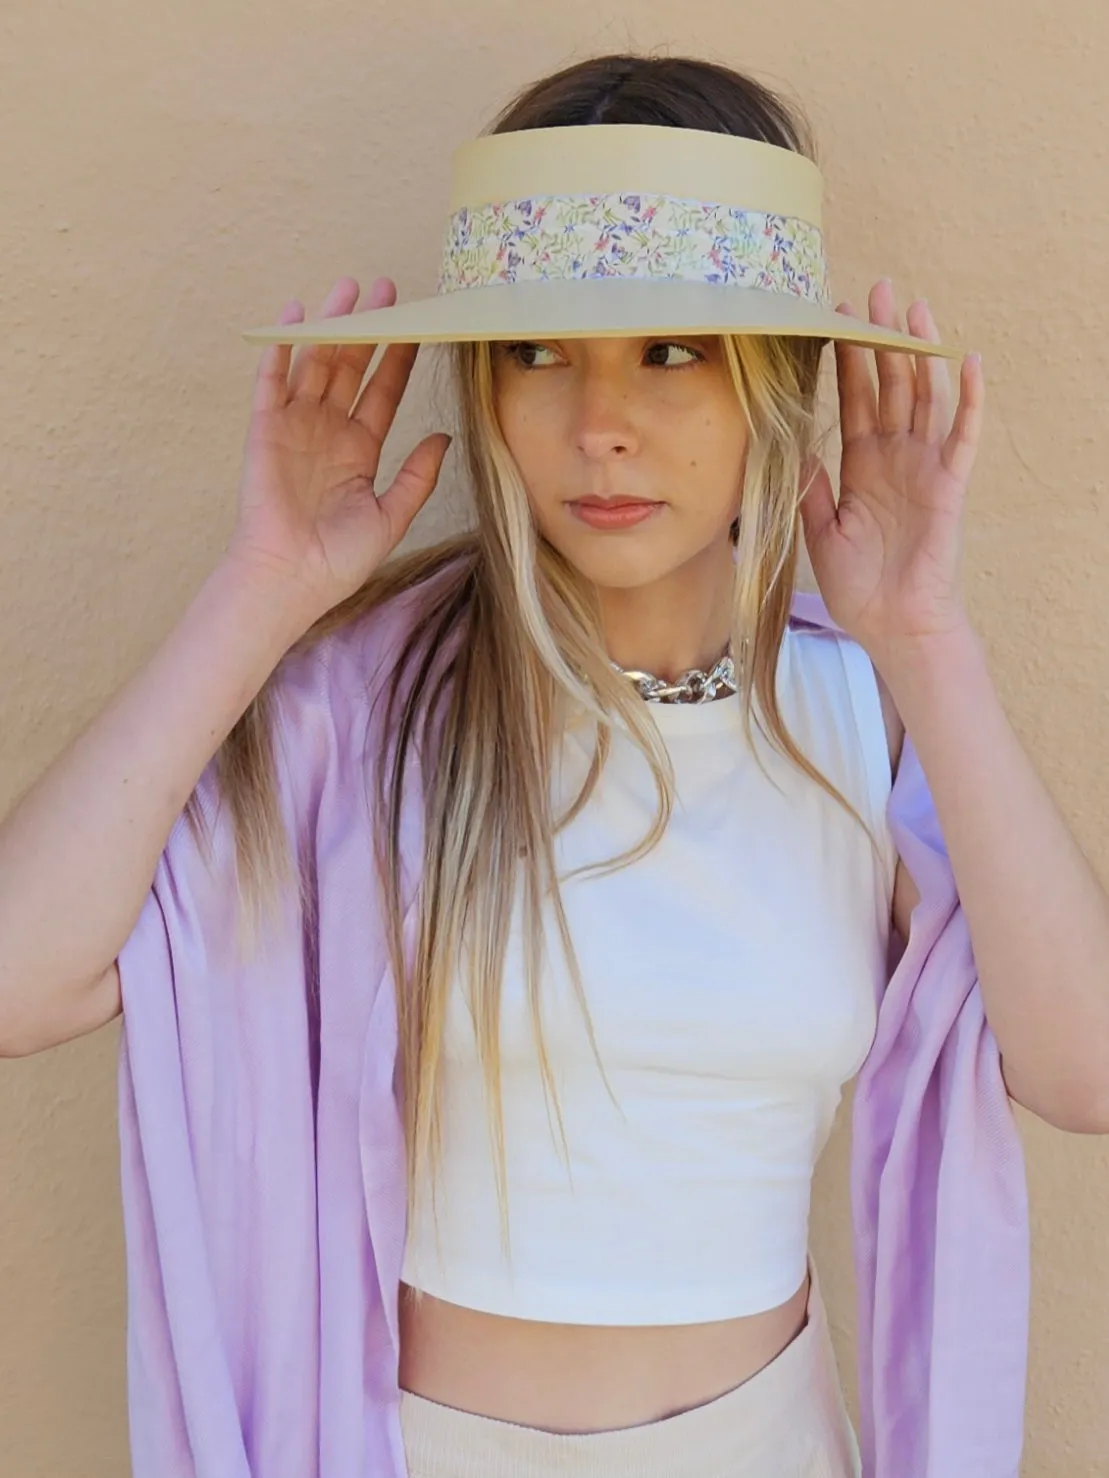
(616, 502)
(614, 513)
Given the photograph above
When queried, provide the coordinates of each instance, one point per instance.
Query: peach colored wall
(172, 172)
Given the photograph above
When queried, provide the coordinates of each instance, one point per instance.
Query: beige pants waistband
(789, 1420)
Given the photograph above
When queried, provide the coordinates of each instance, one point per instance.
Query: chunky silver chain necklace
(693, 686)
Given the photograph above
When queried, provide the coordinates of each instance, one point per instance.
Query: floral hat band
(646, 236)
(621, 229)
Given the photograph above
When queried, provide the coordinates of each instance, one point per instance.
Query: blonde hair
(523, 630)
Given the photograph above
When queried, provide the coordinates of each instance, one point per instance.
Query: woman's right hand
(308, 510)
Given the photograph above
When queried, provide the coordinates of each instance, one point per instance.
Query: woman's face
(651, 419)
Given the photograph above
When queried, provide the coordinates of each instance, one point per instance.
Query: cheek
(532, 436)
(543, 460)
(713, 459)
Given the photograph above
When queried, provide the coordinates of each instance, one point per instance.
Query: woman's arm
(79, 850)
(887, 556)
(1038, 917)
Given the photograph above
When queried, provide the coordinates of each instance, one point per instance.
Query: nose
(604, 416)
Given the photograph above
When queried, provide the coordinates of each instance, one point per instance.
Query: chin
(620, 568)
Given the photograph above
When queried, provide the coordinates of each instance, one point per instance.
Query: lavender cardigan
(263, 1169)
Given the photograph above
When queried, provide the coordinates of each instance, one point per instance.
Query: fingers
(413, 484)
(932, 413)
(896, 370)
(914, 391)
(858, 411)
(378, 403)
(349, 362)
(961, 446)
(271, 390)
(312, 366)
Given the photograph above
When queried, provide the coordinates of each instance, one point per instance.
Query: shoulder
(895, 728)
(335, 676)
(329, 715)
(809, 614)
(366, 642)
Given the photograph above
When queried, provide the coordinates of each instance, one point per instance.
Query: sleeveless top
(732, 977)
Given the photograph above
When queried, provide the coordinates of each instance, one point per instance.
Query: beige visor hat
(617, 229)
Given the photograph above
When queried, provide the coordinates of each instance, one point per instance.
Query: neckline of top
(689, 720)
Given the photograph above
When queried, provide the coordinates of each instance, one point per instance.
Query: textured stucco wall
(171, 173)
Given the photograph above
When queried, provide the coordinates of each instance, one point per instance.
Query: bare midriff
(582, 1377)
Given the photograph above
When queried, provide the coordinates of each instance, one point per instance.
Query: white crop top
(732, 977)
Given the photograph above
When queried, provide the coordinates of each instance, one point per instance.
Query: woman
(621, 1285)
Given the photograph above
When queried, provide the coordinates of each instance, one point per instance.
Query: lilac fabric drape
(262, 1152)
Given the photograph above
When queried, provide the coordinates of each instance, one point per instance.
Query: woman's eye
(665, 347)
(521, 352)
(525, 353)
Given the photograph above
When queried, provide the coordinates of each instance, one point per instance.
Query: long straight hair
(511, 645)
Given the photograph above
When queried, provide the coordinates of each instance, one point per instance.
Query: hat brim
(605, 307)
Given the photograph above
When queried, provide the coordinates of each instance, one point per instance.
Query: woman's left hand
(888, 558)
